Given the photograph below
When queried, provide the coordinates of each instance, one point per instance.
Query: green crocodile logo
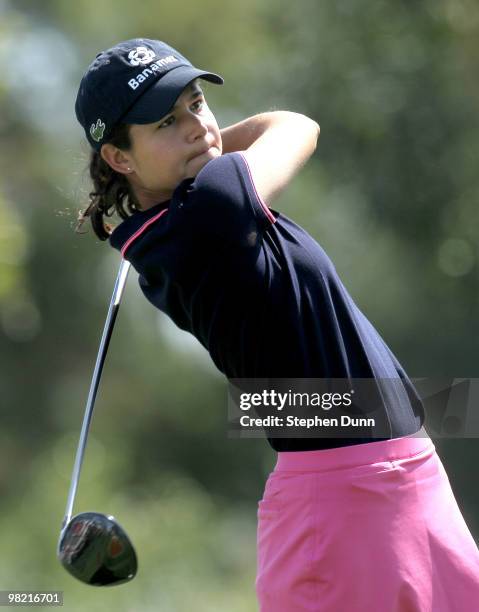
(96, 131)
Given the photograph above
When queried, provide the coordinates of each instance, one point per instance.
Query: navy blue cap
(136, 81)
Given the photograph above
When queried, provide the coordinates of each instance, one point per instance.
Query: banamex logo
(141, 55)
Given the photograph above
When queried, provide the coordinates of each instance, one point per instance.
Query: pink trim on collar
(140, 231)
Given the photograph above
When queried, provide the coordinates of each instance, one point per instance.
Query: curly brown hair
(112, 193)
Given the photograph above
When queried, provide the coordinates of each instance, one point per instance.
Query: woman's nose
(196, 127)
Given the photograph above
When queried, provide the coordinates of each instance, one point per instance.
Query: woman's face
(173, 148)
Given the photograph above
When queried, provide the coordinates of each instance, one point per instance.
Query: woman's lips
(202, 152)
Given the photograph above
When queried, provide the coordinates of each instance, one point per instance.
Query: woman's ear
(116, 158)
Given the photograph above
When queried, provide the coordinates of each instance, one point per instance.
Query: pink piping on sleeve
(264, 206)
(140, 231)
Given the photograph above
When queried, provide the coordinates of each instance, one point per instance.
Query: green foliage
(193, 553)
(391, 194)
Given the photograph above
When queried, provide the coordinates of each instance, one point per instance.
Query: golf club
(93, 547)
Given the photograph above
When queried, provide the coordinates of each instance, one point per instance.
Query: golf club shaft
(105, 340)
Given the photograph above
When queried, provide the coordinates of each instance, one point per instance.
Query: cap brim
(158, 99)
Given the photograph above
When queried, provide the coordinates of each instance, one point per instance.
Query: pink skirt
(365, 528)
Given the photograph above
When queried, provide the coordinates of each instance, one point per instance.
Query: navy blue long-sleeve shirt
(258, 292)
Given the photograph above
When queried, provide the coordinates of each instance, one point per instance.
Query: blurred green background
(391, 194)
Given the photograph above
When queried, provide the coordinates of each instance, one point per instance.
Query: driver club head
(95, 549)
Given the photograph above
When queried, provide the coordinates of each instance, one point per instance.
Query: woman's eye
(167, 122)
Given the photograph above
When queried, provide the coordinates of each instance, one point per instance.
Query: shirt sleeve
(223, 202)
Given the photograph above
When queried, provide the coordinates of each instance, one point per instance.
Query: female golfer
(356, 523)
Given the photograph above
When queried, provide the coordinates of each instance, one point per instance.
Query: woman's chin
(200, 161)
